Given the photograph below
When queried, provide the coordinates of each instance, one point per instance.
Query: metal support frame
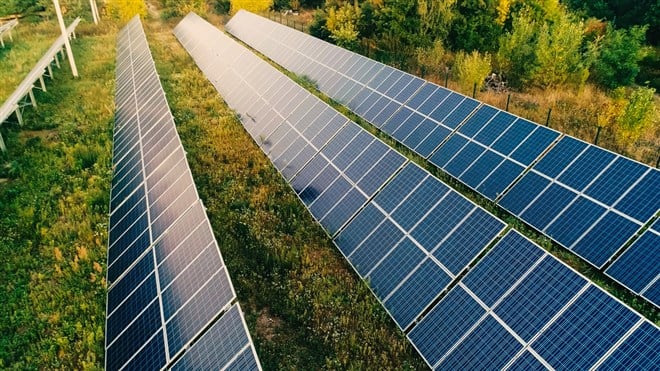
(67, 45)
(24, 93)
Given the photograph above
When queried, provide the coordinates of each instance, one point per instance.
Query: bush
(123, 10)
(472, 69)
(619, 55)
(222, 6)
(254, 6)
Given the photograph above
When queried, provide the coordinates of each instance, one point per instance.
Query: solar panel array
(588, 199)
(170, 298)
(411, 235)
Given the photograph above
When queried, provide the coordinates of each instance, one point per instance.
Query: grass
(53, 208)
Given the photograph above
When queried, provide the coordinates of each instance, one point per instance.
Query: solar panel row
(166, 279)
(520, 308)
(589, 200)
(516, 308)
(336, 168)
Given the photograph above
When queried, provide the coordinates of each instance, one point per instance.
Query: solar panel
(167, 282)
(415, 236)
(639, 267)
(521, 308)
(593, 191)
(588, 199)
(334, 165)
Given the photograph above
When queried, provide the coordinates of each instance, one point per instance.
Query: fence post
(474, 90)
(446, 76)
(508, 99)
(547, 120)
(597, 135)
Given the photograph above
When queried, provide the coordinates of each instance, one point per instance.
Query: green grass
(53, 209)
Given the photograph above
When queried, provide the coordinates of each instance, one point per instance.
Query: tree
(254, 6)
(436, 17)
(475, 26)
(619, 55)
(516, 56)
(342, 23)
(433, 60)
(472, 68)
(559, 57)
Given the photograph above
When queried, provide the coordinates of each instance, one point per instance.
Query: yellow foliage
(82, 252)
(58, 254)
(503, 11)
(123, 10)
(254, 6)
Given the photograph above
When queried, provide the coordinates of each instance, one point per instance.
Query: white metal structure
(6, 28)
(17, 100)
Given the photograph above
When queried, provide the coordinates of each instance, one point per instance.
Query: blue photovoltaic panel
(445, 324)
(638, 352)
(541, 295)
(639, 267)
(394, 268)
(416, 293)
(509, 259)
(209, 353)
(526, 362)
(585, 331)
(164, 289)
(488, 346)
(520, 145)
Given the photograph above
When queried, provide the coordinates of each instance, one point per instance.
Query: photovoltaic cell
(167, 280)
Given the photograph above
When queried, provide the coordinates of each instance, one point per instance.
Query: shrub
(472, 68)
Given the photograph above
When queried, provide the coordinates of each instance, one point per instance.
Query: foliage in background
(179, 8)
(516, 55)
(624, 13)
(472, 68)
(124, 10)
(620, 52)
(475, 26)
(254, 6)
(342, 23)
(559, 54)
(222, 6)
(434, 60)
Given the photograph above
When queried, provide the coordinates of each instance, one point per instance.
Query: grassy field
(53, 206)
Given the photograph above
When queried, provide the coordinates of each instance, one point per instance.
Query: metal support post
(91, 7)
(42, 82)
(508, 99)
(3, 148)
(32, 99)
(547, 120)
(72, 62)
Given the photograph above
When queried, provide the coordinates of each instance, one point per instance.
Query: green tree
(475, 26)
(516, 56)
(619, 55)
(342, 23)
(126, 9)
(559, 56)
(472, 68)
(638, 114)
(436, 17)
(433, 60)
